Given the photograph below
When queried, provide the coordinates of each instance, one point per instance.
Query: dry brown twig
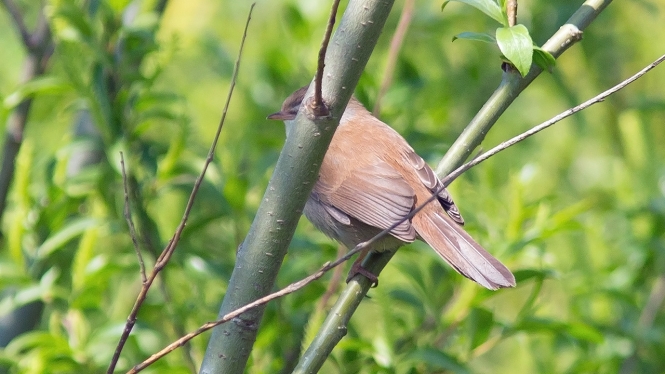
(511, 10)
(166, 254)
(293, 287)
(319, 108)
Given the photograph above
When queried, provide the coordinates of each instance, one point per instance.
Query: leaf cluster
(514, 41)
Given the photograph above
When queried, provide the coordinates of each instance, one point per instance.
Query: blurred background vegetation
(577, 212)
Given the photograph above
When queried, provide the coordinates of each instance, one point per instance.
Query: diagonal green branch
(259, 257)
(313, 359)
(334, 326)
(512, 84)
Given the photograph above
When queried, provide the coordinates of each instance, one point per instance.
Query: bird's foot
(357, 268)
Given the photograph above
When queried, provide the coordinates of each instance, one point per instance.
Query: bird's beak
(281, 116)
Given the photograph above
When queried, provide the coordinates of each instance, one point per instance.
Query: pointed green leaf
(435, 358)
(40, 85)
(515, 43)
(489, 7)
(526, 274)
(476, 36)
(407, 297)
(70, 231)
(18, 230)
(84, 254)
(543, 59)
(480, 322)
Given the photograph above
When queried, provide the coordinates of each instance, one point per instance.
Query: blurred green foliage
(578, 212)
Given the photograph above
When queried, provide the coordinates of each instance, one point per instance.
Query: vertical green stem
(261, 254)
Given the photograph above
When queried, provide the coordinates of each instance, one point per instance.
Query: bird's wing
(442, 232)
(433, 184)
(376, 195)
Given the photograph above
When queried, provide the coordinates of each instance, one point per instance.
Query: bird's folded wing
(376, 195)
(432, 182)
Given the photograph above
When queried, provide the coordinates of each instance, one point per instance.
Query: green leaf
(526, 274)
(84, 254)
(576, 330)
(543, 59)
(22, 181)
(100, 105)
(437, 359)
(402, 295)
(167, 165)
(76, 25)
(489, 7)
(585, 332)
(72, 230)
(235, 190)
(480, 322)
(415, 274)
(515, 43)
(476, 36)
(36, 86)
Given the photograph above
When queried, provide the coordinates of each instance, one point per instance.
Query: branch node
(316, 110)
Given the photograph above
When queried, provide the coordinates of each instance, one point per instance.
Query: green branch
(260, 255)
(334, 327)
(512, 84)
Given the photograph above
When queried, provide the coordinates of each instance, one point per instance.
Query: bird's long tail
(459, 250)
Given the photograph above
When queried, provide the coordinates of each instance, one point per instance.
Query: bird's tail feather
(457, 247)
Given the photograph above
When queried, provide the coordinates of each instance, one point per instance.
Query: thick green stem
(335, 326)
(261, 254)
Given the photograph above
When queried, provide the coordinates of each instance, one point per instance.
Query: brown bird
(370, 178)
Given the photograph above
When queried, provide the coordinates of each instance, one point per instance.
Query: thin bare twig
(166, 254)
(291, 288)
(596, 99)
(130, 222)
(393, 53)
(511, 10)
(655, 301)
(319, 107)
